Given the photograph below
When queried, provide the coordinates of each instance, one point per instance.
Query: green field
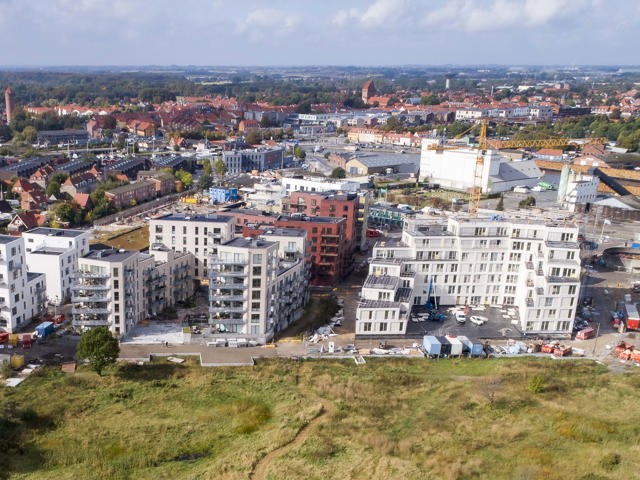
(389, 419)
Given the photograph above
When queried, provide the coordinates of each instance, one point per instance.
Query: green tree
(99, 347)
(185, 177)
(500, 204)
(253, 137)
(64, 212)
(206, 167)
(53, 189)
(205, 181)
(299, 152)
(430, 100)
(527, 202)
(220, 167)
(338, 172)
(615, 114)
(29, 134)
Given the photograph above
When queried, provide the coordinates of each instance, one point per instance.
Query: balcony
(91, 323)
(216, 260)
(90, 298)
(231, 273)
(529, 302)
(227, 298)
(227, 309)
(227, 286)
(81, 274)
(554, 279)
(90, 311)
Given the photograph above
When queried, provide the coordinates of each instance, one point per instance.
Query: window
(255, 305)
(255, 295)
(572, 290)
(115, 271)
(555, 290)
(366, 327)
(256, 283)
(548, 302)
(383, 326)
(257, 258)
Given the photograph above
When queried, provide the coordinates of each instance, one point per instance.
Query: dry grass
(128, 238)
(462, 419)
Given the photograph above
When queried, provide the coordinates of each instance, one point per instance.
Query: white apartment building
(318, 184)
(117, 289)
(530, 264)
(577, 189)
(257, 287)
(199, 235)
(55, 252)
(22, 293)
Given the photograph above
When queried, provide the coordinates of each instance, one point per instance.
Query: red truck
(372, 232)
(632, 319)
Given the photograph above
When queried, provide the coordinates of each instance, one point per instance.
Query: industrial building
(526, 264)
(454, 168)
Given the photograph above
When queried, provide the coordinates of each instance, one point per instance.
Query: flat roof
(48, 251)
(109, 255)
(56, 232)
(181, 217)
(249, 243)
(387, 282)
(286, 232)
(4, 239)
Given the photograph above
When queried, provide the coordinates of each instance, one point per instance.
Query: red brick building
(332, 205)
(330, 246)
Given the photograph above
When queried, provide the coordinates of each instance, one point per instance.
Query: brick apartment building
(126, 195)
(330, 246)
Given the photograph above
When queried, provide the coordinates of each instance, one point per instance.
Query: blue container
(431, 345)
(44, 329)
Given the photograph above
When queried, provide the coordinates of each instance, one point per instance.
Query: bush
(537, 384)
(610, 461)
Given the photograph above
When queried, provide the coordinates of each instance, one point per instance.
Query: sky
(319, 32)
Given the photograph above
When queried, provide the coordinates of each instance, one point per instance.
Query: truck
(372, 232)
(632, 319)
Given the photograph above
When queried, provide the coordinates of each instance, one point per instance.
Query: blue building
(223, 194)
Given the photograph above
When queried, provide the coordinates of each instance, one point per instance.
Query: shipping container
(4, 336)
(13, 339)
(431, 345)
(26, 341)
(631, 316)
(456, 346)
(445, 346)
(44, 329)
(471, 347)
(586, 333)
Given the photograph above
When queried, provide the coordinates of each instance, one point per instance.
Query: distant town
(459, 206)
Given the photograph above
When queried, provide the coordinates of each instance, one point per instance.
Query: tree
(99, 347)
(220, 167)
(500, 204)
(185, 177)
(253, 137)
(205, 181)
(206, 167)
(615, 114)
(338, 172)
(53, 189)
(430, 100)
(299, 152)
(527, 202)
(29, 134)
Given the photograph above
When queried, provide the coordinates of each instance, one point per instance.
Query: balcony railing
(89, 311)
(82, 274)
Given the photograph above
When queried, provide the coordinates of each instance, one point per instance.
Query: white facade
(318, 185)
(528, 264)
(22, 293)
(580, 189)
(454, 168)
(257, 286)
(55, 252)
(117, 289)
(199, 235)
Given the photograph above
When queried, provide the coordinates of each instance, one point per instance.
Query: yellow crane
(476, 190)
(544, 142)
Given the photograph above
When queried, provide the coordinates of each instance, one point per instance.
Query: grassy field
(128, 238)
(389, 419)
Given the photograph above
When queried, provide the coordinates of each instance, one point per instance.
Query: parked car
(478, 320)
(460, 317)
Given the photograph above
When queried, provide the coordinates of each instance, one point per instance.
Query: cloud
(277, 20)
(380, 13)
(477, 16)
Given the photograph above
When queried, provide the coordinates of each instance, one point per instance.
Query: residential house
(128, 195)
(81, 183)
(34, 200)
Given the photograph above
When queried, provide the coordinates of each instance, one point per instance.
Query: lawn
(388, 419)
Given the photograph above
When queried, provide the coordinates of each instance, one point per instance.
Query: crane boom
(476, 190)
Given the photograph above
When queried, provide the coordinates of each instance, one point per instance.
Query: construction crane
(476, 190)
(544, 142)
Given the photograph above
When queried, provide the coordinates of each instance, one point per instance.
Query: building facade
(55, 252)
(199, 235)
(257, 286)
(22, 293)
(531, 265)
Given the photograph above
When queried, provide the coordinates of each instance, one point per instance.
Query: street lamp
(56, 299)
